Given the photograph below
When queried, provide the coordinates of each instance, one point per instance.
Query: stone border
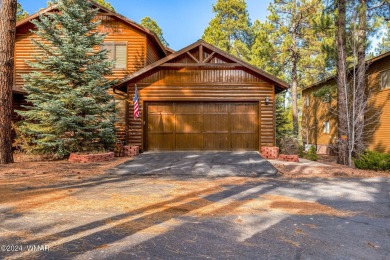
(288, 158)
(91, 158)
(269, 152)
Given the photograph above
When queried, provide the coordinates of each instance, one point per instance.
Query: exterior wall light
(267, 100)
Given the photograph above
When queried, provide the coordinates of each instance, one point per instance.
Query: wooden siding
(222, 84)
(153, 53)
(315, 115)
(117, 31)
(377, 132)
(379, 140)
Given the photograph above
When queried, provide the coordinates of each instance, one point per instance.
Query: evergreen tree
(7, 48)
(153, 26)
(71, 110)
(101, 2)
(384, 44)
(105, 4)
(263, 52)
(21, 13)
(282, 122)
(230, 29)
(298, 48)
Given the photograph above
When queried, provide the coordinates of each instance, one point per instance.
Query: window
(307, 101)
(326, 98)
(117, 53)
(326, 127)
(384, 79)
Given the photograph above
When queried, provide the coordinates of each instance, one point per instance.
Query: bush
(301, 151)
(312, 153)
(373, 161)
(289, 145)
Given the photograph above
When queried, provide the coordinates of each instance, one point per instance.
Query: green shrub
(301, 151)
(312, 153)
(373, 161)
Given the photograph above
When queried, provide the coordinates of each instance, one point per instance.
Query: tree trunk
(361, 77)
(7, 43)
(294, 90)
(294, 71)
(342, 83)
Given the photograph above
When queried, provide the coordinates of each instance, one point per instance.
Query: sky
(182, 21)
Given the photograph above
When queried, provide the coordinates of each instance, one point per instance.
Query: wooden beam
(203, 65)
(192, 57)
(209, 57)
(201, 53)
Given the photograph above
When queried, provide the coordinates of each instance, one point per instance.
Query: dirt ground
(334, 171)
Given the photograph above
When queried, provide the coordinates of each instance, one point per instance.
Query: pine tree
(263, 52)
(384, 44)
(21, 13)
(230, 29)
(153, 26)
(71, 110)
(282, 122)
(298, 48)
(105, 4)
(101, 2)
(7, 47)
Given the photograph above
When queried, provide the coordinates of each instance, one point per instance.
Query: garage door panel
(159, 123)
(161, 108)
(188, 108)
(244, 108)
(243, 123)
(189, 141)
(216, 141)
(188, 123)
(203, 126)
(215, 123)
(245, 141)
(161, 142)
(216, 108)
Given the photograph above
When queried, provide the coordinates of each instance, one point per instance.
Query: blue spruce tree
(71, 110)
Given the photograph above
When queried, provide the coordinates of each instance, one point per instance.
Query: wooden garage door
(202, 126)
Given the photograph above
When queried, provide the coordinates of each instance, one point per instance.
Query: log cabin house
(199, 98)
(319, 114)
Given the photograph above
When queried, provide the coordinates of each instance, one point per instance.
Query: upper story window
(384, 79)
(326, 98)
(307, 101)
(326, 127)
(117, 53)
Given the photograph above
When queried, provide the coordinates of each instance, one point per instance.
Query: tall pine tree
(230, 29)
(71, 110)
(103, 3)
(21, 13)
(153, 26)
(298, 49)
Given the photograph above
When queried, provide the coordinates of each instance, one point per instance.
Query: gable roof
(369, 61)
(280, 84)
(126, 20)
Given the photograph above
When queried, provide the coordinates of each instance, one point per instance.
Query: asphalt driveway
(209, 164)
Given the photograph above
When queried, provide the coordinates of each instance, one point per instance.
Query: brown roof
(280, 84)
(369, 61)
(108, 11)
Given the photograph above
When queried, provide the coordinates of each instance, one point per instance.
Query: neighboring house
(202, 98)
(132, 48)
(319, 117)
(199, 98)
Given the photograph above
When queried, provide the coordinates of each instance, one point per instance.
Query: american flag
(136, 106)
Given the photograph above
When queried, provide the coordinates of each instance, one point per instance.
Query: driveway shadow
(204, 164)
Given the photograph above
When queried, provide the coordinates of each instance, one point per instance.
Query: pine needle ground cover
(85, 215)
